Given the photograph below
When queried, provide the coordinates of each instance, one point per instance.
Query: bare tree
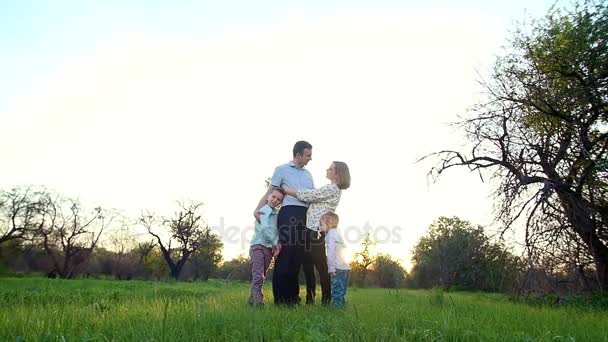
(68, 235)
(19, 213)
(187, 234)
(541, 132)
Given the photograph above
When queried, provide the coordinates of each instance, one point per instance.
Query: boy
(264, 245)
(337, 267)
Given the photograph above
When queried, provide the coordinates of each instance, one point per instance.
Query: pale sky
(137, 104)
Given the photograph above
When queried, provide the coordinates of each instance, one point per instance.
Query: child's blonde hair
(331, 219)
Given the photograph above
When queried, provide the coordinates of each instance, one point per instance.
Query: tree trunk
(169, 261)
(600, 255)
(579, 216)
(580, 269)
(177, 270)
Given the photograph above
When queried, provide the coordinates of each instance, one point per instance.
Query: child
(264, 245)
(337, 267)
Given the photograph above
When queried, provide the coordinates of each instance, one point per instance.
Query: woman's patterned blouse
(322, 200)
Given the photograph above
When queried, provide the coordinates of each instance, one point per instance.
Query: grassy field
(36, 309)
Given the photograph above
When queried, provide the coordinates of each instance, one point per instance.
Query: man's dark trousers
(291, 223)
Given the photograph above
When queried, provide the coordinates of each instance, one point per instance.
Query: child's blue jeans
(339, 283)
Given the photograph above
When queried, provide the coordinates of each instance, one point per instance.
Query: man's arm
(263, 200)
(277, 178)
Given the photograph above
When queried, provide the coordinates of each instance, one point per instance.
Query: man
(291, 223)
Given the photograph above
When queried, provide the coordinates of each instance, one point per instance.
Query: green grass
(37, 309)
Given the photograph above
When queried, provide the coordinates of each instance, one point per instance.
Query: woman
(321, 201)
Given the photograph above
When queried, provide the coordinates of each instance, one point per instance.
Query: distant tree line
(41, 231)
(46, 233)
(457, 255)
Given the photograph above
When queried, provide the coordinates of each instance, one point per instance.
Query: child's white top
(335, 251)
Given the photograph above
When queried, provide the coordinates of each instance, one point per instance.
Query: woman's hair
(343, 175)
(331, 219)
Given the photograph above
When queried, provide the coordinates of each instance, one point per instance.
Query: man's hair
(300, 146)
(280, 190)
(331, 219)
(343, 175)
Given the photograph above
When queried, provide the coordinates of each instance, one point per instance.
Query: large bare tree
(68, 234)
(542, 133)
(187, 234)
